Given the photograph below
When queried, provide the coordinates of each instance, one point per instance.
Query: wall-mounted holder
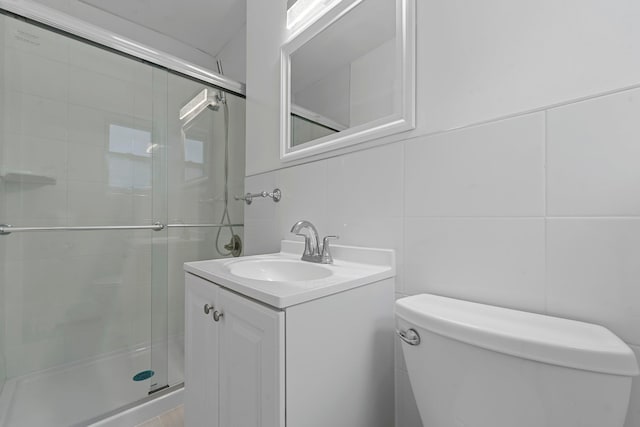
(276, 195)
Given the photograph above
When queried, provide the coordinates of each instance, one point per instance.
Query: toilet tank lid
(526, 335)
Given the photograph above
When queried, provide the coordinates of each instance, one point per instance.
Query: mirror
(349, 78)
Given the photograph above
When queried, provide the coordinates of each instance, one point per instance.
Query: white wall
(537, 211)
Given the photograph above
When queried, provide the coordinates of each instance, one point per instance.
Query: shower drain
(144, 375)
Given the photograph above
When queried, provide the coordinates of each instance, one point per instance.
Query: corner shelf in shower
(26, 177)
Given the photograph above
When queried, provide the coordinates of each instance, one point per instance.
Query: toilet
(476, 365)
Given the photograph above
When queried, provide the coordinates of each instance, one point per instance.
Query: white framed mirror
(348, 78)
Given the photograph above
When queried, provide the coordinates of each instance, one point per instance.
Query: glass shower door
(77, 140)
(110, 187)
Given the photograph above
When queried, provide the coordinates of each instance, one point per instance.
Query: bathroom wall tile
(94, 90)
(38, 155)
(29, 203)
(469, 71)
(364, 199)
(593, 272)
(366, 183)
(36, 75)
(91, 203)
(633, 414)
(90, 126)
(143, 89)
(37, 246)
(407, 414)
(493, 261)
(143, 207)
(495, 169)
(73, 313)
(88, 163)
(304, 196)
(592, 157)
(386, 233)
(36, 116)
(261, 236)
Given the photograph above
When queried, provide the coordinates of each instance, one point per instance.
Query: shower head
(206, 98)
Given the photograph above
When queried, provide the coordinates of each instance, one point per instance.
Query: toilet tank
(483, 366)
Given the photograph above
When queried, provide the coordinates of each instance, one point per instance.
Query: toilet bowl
(475, 365)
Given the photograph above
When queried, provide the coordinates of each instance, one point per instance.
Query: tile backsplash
(539, 212)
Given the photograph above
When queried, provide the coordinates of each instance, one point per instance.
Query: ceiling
(206, 25)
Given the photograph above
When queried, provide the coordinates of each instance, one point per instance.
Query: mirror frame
(397, 122)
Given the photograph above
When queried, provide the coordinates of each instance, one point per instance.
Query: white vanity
(274, 341)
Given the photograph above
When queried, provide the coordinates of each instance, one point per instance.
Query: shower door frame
(105, 38)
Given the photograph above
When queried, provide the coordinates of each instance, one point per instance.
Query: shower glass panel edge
(159, 247)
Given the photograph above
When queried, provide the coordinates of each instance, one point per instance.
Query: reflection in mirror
(349, 79)
(345, 76)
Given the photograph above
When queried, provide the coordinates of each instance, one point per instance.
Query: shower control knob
(217, 315)
(208, 308)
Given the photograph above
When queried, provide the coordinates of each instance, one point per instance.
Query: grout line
(545, 258)
(541, 217)
(403, 225)
(596, 217)
(478, 217)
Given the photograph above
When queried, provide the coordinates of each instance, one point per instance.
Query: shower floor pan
(72, 394)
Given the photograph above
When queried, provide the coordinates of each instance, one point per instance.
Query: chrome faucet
(311, 243)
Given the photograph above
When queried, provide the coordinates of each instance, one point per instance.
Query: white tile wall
(481, 205)
(496, 261)
(593, 157)
(305, 197)
(537, 212)
(491, 170)
(481, 60)
(593, 272)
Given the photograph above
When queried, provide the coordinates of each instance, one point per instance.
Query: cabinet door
(201, 354)
(251, 363)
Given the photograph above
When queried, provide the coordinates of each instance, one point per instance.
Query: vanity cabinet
(339, 352)
(234, 365)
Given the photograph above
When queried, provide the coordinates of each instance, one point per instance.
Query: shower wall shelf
(27, 177)
(276, 195)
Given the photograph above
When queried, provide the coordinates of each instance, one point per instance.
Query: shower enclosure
(106, 188)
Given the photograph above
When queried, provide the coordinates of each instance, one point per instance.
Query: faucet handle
(326, 250)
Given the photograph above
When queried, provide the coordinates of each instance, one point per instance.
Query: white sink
(282, 279)
(279, 270)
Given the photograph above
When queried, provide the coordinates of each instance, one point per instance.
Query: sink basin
(282, 279)
(274, 270)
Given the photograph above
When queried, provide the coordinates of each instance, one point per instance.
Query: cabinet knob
(217, 315)
(207, 308)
